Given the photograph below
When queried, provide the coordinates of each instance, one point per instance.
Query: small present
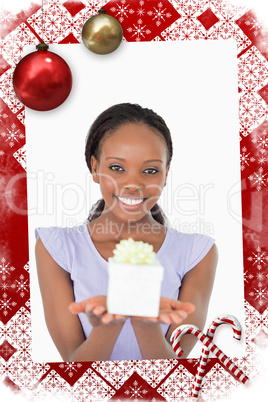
(135, 277)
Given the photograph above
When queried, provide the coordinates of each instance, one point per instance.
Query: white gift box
(134, 289)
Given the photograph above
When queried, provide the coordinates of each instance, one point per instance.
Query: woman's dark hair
(109, 121)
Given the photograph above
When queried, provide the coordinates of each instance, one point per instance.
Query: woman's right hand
(96, 310)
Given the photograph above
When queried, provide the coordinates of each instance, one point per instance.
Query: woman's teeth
(131, 201)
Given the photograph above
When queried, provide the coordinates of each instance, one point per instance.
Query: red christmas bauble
(42, 80)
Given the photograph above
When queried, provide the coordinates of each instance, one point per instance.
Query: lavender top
(74, 251)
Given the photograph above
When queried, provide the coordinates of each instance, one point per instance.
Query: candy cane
(200, 371)
(192, 329)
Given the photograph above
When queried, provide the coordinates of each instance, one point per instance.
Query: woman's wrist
(142, 323)
(151, 340)
(99, 344)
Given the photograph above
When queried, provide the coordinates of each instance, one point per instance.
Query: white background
(193, 85)
(257, 385)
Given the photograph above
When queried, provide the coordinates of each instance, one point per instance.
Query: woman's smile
(130, 203)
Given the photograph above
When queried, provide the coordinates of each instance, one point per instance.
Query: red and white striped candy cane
(192, 329)
(200, 371)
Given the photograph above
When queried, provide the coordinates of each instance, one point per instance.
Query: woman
(128, 152)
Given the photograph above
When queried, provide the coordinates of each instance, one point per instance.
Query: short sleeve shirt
(74, 251)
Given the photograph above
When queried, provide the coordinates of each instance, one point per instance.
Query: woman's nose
(133, 187)
(133, 183)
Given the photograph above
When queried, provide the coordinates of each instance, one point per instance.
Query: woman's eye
(151, 171)
(116, 168)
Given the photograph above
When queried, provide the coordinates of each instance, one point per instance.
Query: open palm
(170, 311)
(96, 310)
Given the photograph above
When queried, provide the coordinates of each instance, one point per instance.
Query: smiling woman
(128, 152)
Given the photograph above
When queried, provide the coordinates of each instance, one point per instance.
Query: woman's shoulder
(56, 233)
(58, 239)
(62, 242)
(189, 238)
(188, 248)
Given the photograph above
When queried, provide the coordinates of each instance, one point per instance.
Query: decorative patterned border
(159, 20)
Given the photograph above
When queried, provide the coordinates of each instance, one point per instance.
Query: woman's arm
(196, 289)
(64, 327)
(148, 331)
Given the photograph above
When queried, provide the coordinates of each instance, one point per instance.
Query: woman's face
(131, 170)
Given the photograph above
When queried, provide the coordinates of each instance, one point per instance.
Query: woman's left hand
(170, 311)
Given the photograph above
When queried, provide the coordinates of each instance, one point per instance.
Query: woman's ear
(94, 169)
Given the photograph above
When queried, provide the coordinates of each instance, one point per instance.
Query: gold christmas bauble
(102, 33)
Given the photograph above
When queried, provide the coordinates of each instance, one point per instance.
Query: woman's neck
(106, 228)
